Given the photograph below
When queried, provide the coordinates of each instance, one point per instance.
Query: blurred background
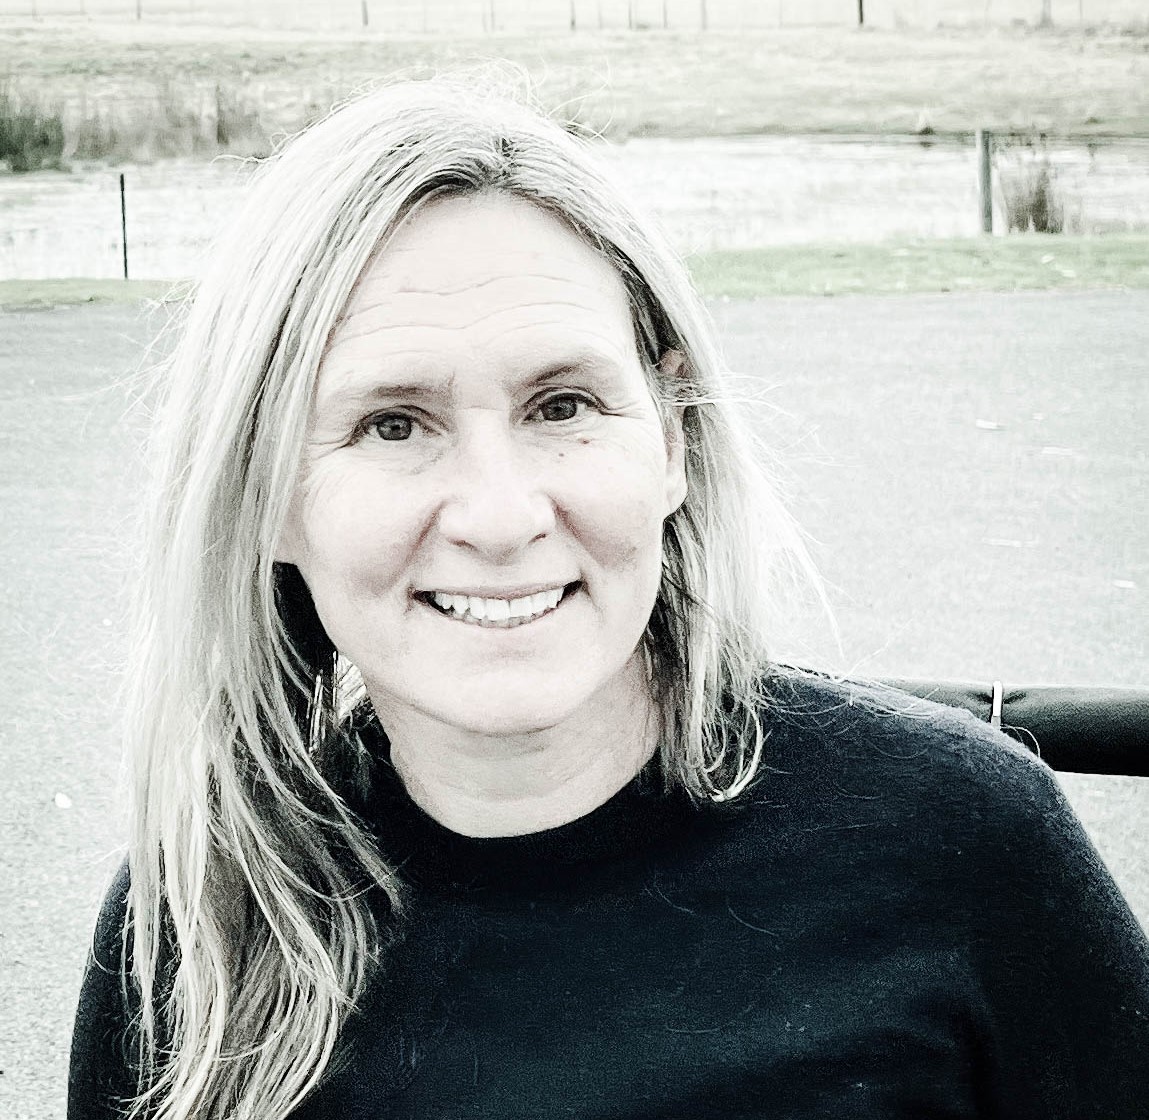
(923, 231)
(741, 124)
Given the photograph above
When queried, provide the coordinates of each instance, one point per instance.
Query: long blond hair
(251, 931)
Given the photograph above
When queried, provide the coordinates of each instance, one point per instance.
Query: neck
(507, 785)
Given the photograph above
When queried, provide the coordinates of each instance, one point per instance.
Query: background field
(145, 93)
(674, 83)
(655, 84)
(464, 16)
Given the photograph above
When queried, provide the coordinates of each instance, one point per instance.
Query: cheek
(349, 528)
(618, 499)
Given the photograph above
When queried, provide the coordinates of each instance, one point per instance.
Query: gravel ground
(973, 469)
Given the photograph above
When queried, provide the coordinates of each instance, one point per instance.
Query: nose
(496, 502)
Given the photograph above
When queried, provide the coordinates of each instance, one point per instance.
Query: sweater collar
(633, 823)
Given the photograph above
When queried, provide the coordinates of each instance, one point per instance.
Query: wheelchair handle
(1083, 730)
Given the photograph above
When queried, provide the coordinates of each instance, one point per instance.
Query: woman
(463, 783)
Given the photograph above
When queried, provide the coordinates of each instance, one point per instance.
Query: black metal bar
(985, 179)
(1080, 730)
(124, 223)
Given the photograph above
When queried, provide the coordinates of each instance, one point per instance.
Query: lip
(499, 592)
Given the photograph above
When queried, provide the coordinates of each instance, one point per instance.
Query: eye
(391, 426)
(562, 406)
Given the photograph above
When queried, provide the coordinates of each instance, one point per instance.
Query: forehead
(483, 276)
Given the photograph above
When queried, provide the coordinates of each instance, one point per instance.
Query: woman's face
(479, 509)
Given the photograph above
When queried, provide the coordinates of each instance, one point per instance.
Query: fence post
(861, 13)
(574, 17)
(124, 224)
(665, 17)
(985, 179)
(702, 14)
(364, 14)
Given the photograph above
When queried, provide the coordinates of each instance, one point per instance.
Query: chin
(510, 725)
(510, 716)
(484, 705)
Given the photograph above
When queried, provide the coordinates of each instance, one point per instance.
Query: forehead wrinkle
(604, 337)
(394, 297)
(360, 307)
(343, 337)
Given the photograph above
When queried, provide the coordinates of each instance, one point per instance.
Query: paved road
(954, 548)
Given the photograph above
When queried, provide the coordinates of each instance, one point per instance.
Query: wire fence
(708, 193)
(463, 17)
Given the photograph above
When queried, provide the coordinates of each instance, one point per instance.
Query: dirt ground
(972, 468)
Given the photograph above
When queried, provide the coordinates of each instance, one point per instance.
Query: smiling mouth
(494, 612)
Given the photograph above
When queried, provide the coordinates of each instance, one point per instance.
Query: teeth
(497, 610)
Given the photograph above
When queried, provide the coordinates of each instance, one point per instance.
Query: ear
(670, 366)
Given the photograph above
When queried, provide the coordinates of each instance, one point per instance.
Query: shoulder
(831, 741)
(111, 925)
(892, 798)
(100, 1070)
(906, 819)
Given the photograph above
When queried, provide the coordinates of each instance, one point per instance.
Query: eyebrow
(378, 387)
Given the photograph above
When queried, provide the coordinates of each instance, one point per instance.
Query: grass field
(1022, 263)
(156, 88)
